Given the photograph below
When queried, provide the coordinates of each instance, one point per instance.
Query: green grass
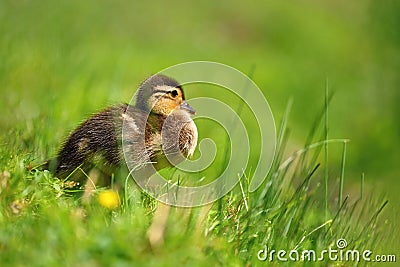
(44, 223)
(60, 62)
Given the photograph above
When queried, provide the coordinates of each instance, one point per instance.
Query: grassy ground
(60, 62)
(45, 223)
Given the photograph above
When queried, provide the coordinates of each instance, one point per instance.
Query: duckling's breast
(163, 141)
(179, 136)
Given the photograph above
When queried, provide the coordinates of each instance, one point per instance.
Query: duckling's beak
(187, 107)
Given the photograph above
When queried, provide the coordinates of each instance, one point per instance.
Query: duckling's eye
(174, 93)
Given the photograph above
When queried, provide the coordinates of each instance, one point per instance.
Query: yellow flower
(109, 199)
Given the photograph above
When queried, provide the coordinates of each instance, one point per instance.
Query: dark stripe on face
(169, 91)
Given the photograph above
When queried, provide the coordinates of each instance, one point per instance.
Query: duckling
(156, 129)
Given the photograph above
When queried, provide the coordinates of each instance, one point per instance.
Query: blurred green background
(62, 60)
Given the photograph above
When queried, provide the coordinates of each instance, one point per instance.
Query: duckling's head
(161, 95)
